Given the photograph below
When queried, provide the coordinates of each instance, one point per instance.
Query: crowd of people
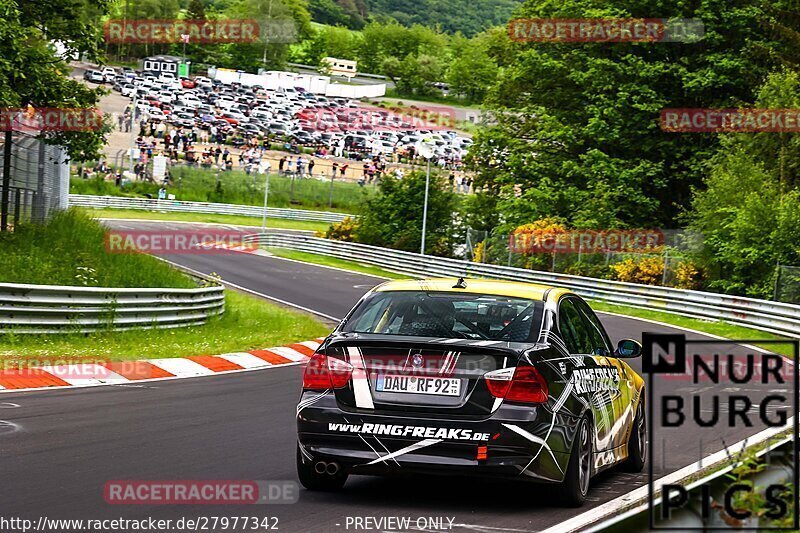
(207, 149)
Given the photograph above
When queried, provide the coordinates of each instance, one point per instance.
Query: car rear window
(447, 315)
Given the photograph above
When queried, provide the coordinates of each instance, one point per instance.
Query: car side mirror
(628, 349)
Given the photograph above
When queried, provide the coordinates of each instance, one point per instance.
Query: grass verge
(712, 327)
(70, 249)
(238, 220)
(192, 184)
(248, 323)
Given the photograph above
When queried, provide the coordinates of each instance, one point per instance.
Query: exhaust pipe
(320, 467)
(332, 469)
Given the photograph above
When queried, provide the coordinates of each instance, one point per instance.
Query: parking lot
(194, 120)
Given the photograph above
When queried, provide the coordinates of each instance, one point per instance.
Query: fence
(53, 309)
(787, 284)
(38, 182)
(174, 206)
(769, 316)
(665, 267)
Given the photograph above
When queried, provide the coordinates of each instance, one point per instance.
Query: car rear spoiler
(403, 342)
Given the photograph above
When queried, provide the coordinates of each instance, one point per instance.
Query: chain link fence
(38, 181)
(667, 267)
(787, 284)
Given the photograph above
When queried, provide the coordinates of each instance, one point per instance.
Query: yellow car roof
(515, 289)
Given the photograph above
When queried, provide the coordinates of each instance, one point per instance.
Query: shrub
(341, 231)
(688, 276)
(646, 270)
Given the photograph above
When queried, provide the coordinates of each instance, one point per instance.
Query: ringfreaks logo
(421, 432)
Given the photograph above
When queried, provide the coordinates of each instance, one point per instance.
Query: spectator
(311, 168)
(335, 167)
(281, 164)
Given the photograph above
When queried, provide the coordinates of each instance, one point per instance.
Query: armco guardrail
(175, 206)
(769, 316)
(53, 309)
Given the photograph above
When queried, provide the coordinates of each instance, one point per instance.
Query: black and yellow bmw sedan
(474, 377)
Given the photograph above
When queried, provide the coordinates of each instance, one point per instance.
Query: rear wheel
(312, 479)
(637, 443)
(575, 487)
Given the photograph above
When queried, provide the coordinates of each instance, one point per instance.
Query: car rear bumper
(515, 442)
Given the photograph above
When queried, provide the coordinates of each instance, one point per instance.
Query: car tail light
(323, 372)
(521, 384)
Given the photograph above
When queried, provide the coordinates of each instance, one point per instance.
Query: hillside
(467, 16)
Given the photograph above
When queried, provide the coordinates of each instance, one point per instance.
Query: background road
(61, 447)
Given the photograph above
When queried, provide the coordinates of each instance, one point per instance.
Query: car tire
(575, 487)
(637, 442)
(314, 481)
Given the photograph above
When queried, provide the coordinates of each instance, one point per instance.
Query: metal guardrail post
(35, 309)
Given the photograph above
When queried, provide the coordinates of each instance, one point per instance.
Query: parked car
(94, 76)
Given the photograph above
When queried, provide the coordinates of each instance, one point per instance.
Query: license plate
(419, 385)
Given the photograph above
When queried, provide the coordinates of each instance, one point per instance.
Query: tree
(330, 41)
(472, 73)
(32, 74)
(196, 10)
(275, 17)
(393, 217)
(749, 214)
(578, 131)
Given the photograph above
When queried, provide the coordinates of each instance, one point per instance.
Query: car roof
(531, 291)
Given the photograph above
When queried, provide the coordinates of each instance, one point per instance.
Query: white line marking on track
(7, 427)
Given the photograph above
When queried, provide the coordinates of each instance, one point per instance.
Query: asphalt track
(59, 448)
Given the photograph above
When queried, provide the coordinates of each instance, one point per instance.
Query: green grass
(70, 250)
(248, 323)
(712, 327)
(325, 260)
(236, 187)
(255, 222)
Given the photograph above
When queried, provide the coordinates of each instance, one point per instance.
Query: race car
(471, 377)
